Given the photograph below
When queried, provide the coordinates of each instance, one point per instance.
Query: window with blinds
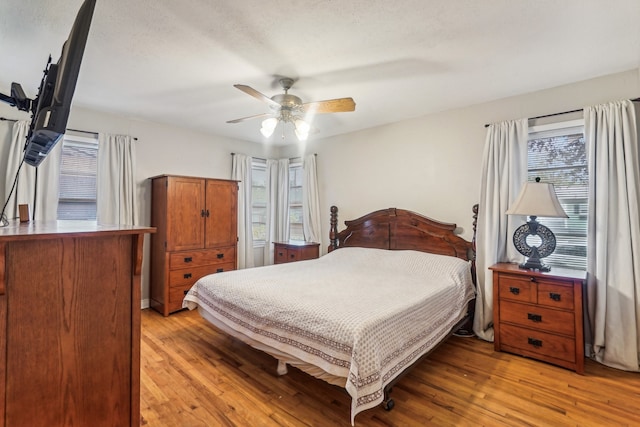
(296, 231)
(259, 201)
(78, 171)
(557, 154)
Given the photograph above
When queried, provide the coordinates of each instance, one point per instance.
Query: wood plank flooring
(194, 375)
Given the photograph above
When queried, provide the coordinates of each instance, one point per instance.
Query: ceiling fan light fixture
(302, 129)
(268, 126)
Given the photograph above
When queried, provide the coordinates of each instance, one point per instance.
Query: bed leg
(282, 368)
(388, 402)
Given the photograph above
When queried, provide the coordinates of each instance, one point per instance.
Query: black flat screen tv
(51, 107)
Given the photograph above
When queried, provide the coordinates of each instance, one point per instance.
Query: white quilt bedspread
(362, 314)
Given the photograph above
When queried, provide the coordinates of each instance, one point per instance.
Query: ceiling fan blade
(251, 91)
(339, 105)
(257, 116)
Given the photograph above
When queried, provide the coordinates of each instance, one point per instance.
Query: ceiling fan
(289, 108)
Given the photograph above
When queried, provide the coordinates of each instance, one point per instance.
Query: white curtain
(116, 186)
(613, 261)
(37, 187)
(277, 205)
(504, 170)
(241, 171)
(312, 224)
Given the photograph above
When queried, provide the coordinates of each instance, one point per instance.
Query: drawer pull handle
(554, 296)
(187, 275)
(292, 256)
(533, 279)
(514, 290)
(220, 270)
(188, 259)
(534, 317)
(202, 213)
(534, 342)
(220, 256)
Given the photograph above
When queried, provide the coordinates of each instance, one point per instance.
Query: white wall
(429, 164)
(432, 164)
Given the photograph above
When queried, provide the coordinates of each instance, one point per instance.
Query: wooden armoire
(197, 234)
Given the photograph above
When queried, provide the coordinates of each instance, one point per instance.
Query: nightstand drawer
(517, 289)
(532, 343)
(532, 316)
(555, 295)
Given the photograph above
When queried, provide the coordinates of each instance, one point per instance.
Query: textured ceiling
(176, 61)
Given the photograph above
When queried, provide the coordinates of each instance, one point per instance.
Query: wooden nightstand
(539, 315)
(295, 251)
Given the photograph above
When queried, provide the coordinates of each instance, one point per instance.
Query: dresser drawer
(517, 288)
(187, 259)
(532, 316)
(188, 276)
(555, 295)
(177, 293)
(534, 343)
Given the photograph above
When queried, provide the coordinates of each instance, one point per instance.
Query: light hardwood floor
(194, 375)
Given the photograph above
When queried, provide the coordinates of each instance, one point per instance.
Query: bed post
(466, 330)
(333, 229)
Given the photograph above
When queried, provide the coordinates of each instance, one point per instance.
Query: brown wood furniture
(70, 324)
(293, 250)
(196, 220)
(539, 315)
(400, 229)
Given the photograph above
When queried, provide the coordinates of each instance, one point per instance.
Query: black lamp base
(535, 265)
(534, 253)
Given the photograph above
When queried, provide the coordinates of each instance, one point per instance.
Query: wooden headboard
(398, 229)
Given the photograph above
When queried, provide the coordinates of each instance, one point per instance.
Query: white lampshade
(537, 199)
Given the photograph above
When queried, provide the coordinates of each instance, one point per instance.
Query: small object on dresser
(24, 212)
(539, 315)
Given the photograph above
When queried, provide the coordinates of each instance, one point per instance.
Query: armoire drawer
(188, 259)
(188, 276)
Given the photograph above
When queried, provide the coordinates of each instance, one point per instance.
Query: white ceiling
(176, 61)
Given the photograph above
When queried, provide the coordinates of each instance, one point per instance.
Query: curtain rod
(4, 119)
(564, 112)
(290, 158)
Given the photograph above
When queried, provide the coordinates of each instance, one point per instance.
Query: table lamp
(536, 199)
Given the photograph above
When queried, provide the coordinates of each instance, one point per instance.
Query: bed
(393, 285)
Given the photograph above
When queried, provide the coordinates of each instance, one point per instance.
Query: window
(259, 201)
(78, 170)
(557, 154)
(296, 231)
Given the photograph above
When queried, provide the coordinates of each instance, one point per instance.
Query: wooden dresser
(294, 250)
(196, 221)
(539, 315)
(70, 324)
